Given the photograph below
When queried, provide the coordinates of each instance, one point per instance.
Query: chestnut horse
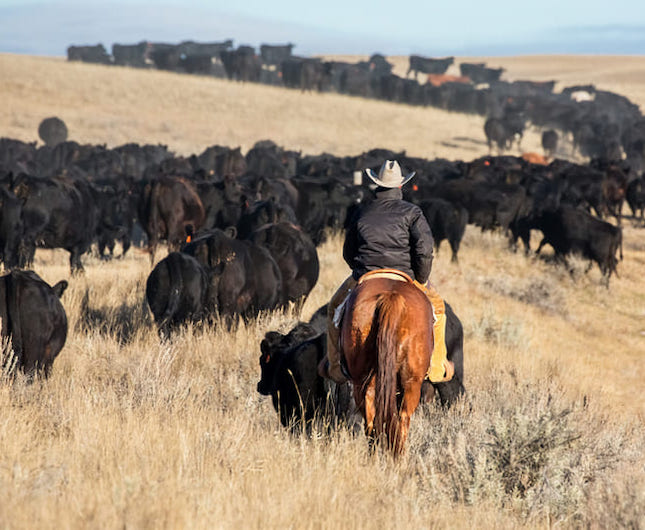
(386, 340)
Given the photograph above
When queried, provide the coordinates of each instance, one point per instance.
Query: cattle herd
(601, 124)
(243, 228)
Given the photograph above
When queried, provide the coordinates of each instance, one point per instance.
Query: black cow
(572, 231)
(33, 319)
(177, 291)
(427, 65)
(263, 213)
(165, 56)
(244, 277)
(204, 49)
(479, 73)
(52, 131)
(496, 133)
(242, 64)
(305, 73)
(132, 54)
(296, 256)
(447, 221)
(275, 54)
(489, 206)
(89, 54)
(57, 213)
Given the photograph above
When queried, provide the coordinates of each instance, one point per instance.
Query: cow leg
(75, 263)
(539, 249)
(125, 243)
(454, 246)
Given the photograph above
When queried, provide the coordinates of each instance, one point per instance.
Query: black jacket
(389, 233)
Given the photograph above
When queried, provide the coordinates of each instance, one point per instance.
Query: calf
(34, 321)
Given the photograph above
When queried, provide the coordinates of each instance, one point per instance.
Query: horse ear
(231, 232)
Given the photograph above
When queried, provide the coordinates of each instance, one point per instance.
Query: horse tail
(388, 311)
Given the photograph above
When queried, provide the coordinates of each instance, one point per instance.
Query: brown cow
(535, 158)
(169, 206)
(440, 79)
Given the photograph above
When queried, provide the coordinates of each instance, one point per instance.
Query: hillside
(133, 432)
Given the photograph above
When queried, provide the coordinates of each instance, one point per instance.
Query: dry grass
(132, 432)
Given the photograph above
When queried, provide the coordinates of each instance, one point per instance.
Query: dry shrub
(525, 447)
(504, 331)
(544, 293)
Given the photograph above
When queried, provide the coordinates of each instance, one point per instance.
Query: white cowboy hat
(389, 176)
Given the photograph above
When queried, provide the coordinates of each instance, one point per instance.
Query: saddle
(390, 274)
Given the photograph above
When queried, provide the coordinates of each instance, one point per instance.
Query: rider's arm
(421, 244)
(350, 247)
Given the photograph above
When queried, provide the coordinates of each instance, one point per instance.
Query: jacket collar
(385, 194)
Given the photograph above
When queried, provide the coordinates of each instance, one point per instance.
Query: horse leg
(410, 402)
(367, 406)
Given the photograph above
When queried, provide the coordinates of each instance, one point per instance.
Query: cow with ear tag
(243, 276)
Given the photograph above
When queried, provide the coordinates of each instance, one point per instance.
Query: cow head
(271, 352)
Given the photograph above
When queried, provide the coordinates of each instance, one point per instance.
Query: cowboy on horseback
(389, 233)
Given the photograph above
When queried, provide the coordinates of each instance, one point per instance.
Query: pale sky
(493, 27)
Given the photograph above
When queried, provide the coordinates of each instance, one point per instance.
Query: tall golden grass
(133, 432)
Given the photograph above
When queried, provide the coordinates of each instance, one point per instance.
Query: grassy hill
(131, 432)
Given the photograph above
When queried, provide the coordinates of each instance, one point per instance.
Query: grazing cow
(427, 65)
(244, 277)
(446, 221)
(296, 256)
(52, 131)
(167, 207)
(290, 375)
(550, 142)
(177, 291)
(57, 213)
(572, 231)
(34, 321)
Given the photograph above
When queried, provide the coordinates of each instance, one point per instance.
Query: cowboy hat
(389, 176)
